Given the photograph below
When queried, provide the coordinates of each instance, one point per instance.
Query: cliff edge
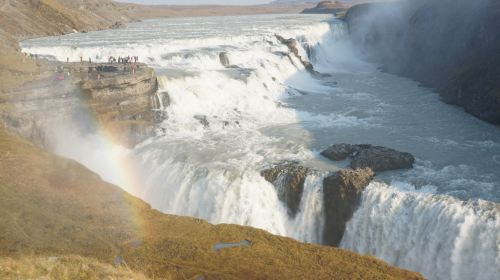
(119, 100)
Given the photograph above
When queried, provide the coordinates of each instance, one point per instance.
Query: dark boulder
(288, 179)
(224, 59)
(341, 196)
(203, 120)
(381, 159)
(338, 152)
(375, 157)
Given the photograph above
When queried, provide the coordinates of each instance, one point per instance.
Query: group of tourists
(121, 60)
(126, 60)
(129, 64)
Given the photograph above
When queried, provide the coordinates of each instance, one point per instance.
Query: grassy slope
(63, 268)
(51, 206)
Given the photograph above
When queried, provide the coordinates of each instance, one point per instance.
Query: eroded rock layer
(121, 102)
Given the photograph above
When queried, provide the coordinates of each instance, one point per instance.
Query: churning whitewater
(222, 125)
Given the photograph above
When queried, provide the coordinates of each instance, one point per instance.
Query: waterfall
(227, 123)
(439, 236)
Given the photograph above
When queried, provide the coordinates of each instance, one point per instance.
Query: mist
(438, 43)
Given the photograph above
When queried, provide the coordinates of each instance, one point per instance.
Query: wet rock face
(121, 102)
(376, 158)
(338, 152)
(292, 46)
(382, 159)
(224, 59)
(203, 120)
(341, 196)
(288, 179)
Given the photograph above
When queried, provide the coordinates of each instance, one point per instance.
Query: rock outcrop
(224, 59)
(376, 158)
(292, 45)
(203, 120)
(288, 179)
(338, 152)
(341, 195)
(123, 103)
(450, 45)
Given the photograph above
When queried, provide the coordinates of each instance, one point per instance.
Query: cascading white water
(439, 236)
(225, 125)
(190, 171)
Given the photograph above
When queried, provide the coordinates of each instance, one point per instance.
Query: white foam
(439, 236)
(213, 172)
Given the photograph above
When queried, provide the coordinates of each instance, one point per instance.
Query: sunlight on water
(224, 125)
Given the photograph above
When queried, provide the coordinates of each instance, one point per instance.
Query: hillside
(68, 267)
(54, 207)
(327, 7)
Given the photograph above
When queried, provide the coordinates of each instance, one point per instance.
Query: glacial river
(441, 218)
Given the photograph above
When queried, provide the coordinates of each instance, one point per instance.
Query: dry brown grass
(16, 69)
(51, 206)
(62, 268)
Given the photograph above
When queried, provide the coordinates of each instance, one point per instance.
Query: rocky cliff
(120, 102)
(288, 179)
(341, 194)
(450, 45)
(124, 102)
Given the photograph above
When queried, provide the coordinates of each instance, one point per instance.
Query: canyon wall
(121, 102)
(450, 45)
